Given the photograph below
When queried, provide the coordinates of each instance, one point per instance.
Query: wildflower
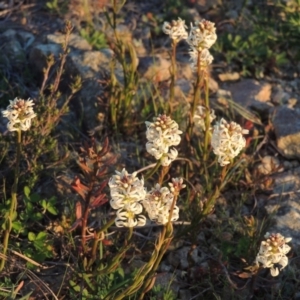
(158, 203)
(167, 158)
(205, 58)
(176, 185)
(200, 117)
(227, 141)
(273, 251)
(202, 35)
(161, 135)
(176, 30)
(129, 216)
(19, 114)
(127, 191)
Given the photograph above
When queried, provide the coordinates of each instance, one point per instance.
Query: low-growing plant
(116, 203)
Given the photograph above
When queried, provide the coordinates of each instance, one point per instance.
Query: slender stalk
(166, 238)
(173, 76)
(212, 199)
(197, 94)
(163, 173)
(207, 119)
(98, 239)
(85, 219)
(13, 203)
(148, 175)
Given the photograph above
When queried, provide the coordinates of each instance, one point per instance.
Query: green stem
(148, 175)
(197, 95)
(212, 199)
(98, 239)
(207, 119)
(13, 203)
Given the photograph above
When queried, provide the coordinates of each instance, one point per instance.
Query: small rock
(268, 165)
(77, 42)
(205, 5)
(229, 76)
(167, 282)
(286, 124)
(182, 257)
(248, 92)
(26, 38)
(185, 294)
(292, 102)
(154, 68)
(39, 53)
(285, 209)
(280, 96)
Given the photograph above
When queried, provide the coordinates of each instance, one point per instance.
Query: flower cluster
(273, 251)
(227, 141)
(158, 202)
(176, 30)
(201, 37)
(200, 116)
(161, 135)
(19, 114)
(127, 191)
(205, 58)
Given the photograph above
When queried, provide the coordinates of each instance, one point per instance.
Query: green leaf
(41, 236)
(52, 210)
(31, 236)
(17, 226)
(27, 191)
(35, 198)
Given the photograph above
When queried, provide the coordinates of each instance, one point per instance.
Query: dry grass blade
(244, 112)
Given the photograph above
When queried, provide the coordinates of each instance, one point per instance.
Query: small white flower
(200, 116)
(19, 114)
(127, 191)
(273, 251)
(202, 35)
(130, 216)
(161, 135)
(176, 30)
(167, 158)
(227, 141)
(205, 58)
(159, 200)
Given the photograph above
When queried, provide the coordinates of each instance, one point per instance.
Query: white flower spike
(161, 135)
(202, 35)
(127, 191)
(176, 30)
(227, 141)
(273, 251)
(158, 202)
(19, 114)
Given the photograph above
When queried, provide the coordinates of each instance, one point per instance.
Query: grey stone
(182, 257)
(154, 68)
(39, 53)
(185, 294)
(205, 5)
(77, 42)
(286, 124)
(26, 38)
(284, 205)
(167, 282)
(248, 92)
